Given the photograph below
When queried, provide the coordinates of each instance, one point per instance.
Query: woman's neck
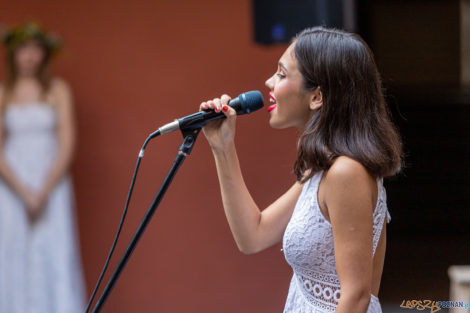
(26, 76)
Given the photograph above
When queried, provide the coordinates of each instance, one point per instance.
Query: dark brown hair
(354, 118)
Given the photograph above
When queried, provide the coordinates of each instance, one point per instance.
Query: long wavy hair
(354, 119)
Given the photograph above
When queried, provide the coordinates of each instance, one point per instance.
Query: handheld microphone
(245, 103)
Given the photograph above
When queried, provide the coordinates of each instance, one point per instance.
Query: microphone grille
(251, 101)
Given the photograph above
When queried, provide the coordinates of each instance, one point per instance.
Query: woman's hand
(34, 204)
(220, 133)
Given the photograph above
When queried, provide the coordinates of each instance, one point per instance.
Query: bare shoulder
(60, 92)
(348, 180)
(59, 85)
(346, 171)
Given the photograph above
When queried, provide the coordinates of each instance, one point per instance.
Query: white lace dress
(309, 249)
(40, 268)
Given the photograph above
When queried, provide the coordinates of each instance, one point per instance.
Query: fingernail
(225, 108)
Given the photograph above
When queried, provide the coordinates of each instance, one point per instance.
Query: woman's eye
(280, 75)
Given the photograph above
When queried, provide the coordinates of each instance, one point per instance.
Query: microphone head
(250, 101)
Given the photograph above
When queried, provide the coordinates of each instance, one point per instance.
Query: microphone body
(245, 103)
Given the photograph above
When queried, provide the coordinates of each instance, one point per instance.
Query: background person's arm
(6, 173)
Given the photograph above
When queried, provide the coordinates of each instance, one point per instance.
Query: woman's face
(290, 102)
(28, 58)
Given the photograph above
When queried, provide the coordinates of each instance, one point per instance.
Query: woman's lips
(273, 101)
(272, 98)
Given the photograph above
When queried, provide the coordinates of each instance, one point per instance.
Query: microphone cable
(124, 213)
(245, 103)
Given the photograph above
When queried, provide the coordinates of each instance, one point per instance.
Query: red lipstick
(273, 101)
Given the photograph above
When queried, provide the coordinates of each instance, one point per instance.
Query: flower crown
(16, 36)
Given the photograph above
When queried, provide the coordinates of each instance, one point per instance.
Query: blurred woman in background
(40, 268)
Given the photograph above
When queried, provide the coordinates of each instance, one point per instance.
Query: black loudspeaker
(277, 21)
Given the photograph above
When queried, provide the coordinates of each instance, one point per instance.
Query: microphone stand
(190, 134)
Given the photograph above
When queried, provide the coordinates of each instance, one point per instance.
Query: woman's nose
(269, 82)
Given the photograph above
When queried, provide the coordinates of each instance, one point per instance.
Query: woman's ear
(316, 101)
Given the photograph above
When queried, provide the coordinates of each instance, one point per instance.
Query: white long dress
(309, 249)
(40, 267)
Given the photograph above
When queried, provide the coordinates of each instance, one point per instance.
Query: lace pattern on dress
(320, 289)
(309, 248)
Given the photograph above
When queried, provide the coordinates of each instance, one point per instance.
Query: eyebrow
(282, 65)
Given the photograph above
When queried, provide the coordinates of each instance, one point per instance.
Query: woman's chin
(275, 123)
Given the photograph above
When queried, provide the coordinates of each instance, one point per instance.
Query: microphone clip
(190, 135)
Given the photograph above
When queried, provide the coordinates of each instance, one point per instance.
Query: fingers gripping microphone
(245, 103)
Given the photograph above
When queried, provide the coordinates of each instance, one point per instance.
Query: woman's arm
(349, 193)
(9, 177)
(65, 134)
(5, 171)
(252, 229)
